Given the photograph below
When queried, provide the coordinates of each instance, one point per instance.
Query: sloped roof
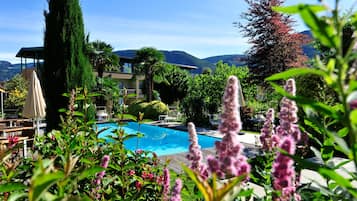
(31, 52)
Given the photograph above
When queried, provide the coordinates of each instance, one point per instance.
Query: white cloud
(10, 57)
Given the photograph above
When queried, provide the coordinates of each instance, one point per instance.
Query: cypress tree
(66, 66)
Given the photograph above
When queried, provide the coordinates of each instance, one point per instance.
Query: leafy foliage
(101, 56)
(333, 122)
(17, 91)
(67, 162)
(205, 92)
(173, 81)
(151, 110)
(149, 61)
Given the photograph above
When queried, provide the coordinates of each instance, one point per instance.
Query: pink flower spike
(195, 154)
(268, 131)
(283, 170)
(176, 192)
(166, 190)
(229, 160)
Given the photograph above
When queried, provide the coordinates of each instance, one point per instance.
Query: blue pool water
(162, 141)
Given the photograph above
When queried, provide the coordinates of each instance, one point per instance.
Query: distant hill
(176, 57)
(308, 49)
(8, 70)
(231, 59)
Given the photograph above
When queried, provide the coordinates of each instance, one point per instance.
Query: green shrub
(17, 91)
(151, 110)
(136, 107)
(154, 109)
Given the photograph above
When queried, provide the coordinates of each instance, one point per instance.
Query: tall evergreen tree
(275, 45)
(66, 66)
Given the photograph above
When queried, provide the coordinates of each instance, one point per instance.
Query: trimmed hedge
(151, 110)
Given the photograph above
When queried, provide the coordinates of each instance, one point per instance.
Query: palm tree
(149, 61)
(102, 57)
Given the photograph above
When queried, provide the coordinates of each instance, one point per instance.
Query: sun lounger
(171, 116)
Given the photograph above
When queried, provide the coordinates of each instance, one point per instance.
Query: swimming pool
(162, 141)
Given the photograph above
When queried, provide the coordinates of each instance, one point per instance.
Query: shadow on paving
(176, 160)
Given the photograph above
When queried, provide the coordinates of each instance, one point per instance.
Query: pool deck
(176, 160)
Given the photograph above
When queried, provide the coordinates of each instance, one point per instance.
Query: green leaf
(89, 172)
(62, 110)
(337, 166)
(9, 187)
(316, 152)
(340, 143)
(128, 116)
(343, 132)
(295, 72)
(41, 183)
(203, 186)
(245, 192)
(130, 95)
(312, 125)
(353, 117)
(79, 114)
(317, 106)
(93, 94)
(222, 192)
(297, 8)
(327, 150)
(16, 196)
(303, 163)
(336, 177)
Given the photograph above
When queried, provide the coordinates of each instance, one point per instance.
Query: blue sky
(202, 28)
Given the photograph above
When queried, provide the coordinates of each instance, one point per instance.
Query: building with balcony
(124, 73)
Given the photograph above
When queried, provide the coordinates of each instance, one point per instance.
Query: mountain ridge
(174, 57)
(7, 70)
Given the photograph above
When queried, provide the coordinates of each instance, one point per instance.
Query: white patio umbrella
(241, 100)
(2, 91)
(35, 105)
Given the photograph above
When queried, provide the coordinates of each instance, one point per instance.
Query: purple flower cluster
(288, 115)
(104, 164)
(166, 190)
(229, 161)
(288, 133)
(176, 192)
(283, 171)
(268, 131)
(352, 100)
(100, 175)
(195, 154)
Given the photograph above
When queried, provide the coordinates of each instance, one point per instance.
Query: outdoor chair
(214, 120)
(102, 113)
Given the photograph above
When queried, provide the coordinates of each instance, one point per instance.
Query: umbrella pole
(2, 105)
(37, 125)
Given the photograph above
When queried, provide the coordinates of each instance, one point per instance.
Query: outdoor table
(13, 122)
(14, 130)
(4, 141)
